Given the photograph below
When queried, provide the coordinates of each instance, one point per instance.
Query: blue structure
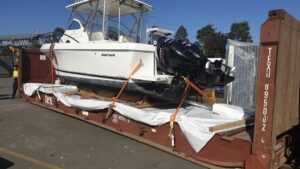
(24, 40)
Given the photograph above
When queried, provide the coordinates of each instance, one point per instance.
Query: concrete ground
(32, 137)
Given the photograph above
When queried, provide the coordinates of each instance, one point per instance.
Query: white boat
(104, 42)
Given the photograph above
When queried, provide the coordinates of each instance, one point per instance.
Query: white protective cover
(194, 121)
(228, 111)
(244, 57)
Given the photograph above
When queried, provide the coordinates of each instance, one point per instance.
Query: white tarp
(229, 111)
(31, 88)
(194, 121)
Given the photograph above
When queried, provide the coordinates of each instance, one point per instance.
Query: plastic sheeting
(194, 121)
(228, 111)
(243, 56)
(31, 88)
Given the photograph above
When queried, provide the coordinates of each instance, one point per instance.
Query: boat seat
(96, 36)
(123, 38)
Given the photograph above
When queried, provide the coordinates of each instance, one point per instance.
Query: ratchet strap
(206, 97)
(51, 52)
(183, 97)
(115, 99)
(173, 116)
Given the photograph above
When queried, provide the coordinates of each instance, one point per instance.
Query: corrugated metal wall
(286, 107)
(35, 67)
(277, 107)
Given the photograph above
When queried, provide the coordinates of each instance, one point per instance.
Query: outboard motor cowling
(180, 58)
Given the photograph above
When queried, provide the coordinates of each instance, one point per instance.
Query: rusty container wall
(36, 67)
(277, 108)
(286, 110)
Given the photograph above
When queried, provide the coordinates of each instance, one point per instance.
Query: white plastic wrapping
(194, 121)
(229, 111)
(243, 56)
(31, 88)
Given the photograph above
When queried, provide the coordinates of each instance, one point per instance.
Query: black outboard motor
(180, 58)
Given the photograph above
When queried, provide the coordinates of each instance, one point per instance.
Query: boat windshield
(116, 20)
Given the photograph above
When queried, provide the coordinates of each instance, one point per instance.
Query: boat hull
(154, 90)
(109, 65)
(108, 60)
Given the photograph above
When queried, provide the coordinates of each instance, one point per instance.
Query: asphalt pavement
(32, 137)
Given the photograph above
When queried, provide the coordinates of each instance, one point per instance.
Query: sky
(33, 16)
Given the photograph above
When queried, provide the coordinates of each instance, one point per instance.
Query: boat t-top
(105, 39)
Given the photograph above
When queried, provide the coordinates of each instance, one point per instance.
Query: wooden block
(238, 123)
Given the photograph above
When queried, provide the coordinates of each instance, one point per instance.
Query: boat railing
(76, 1)
(51, 37)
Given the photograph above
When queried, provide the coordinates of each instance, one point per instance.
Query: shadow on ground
(5, 164)
(4, 76)
(4, 96)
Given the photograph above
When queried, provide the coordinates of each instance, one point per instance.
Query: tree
(213, 43)
(240, 31)
(57, 34)
(217, 47)
(35, 44)
(181, 34)
(206, 32)
(59, 30)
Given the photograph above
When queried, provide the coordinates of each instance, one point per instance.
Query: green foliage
(181, 34)
(57, 34)
(240, 31)
(35, 44)
(212, 42)
(204, 33)
(59, 30)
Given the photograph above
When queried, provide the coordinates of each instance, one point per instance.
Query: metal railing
(24, 40)
(17, 37)
(76, 1)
